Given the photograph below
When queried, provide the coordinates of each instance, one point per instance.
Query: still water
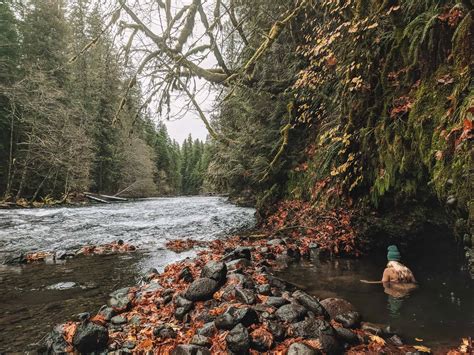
(440, 311)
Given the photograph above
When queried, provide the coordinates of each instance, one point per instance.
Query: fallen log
(97, 199)
(116, 198)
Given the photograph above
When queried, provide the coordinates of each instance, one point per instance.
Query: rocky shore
(226, 300)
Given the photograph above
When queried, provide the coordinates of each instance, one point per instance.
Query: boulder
(245, 296)
(118, 320)
(246, 315)
(201, 340)
(291, 313)
(226, 320)
(310, 303)
(349, 319)
(261, 340)
(301, 349)
(237, 264)
(347, 336)
(201, 289)
(90, 337)
(120, 300)
(54, 342)
(238, 340)
(317, 329)
(277, 330)
(190, 350)
(276, 301)
(208, 329)
(215, 270)
(165, 332)
(336, 306)
(107, 312)
(243, 281)
(186, 275)
(238, 253)
(372, 328)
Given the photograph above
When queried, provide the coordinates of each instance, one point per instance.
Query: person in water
(395, 272)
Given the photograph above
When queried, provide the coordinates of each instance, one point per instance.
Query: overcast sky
(180, 129)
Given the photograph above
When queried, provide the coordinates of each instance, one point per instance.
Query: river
(35, 297)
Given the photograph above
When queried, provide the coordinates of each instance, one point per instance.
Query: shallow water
(440, 311)
(33, 298)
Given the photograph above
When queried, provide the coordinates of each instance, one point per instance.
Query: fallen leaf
(422, 348)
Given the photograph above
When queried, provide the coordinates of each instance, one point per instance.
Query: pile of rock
(228, 303)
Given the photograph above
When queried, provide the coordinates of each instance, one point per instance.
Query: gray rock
(372, 328)
(310, 303)
(215, 270)
(347, 336)
(242, 280)
(90, 337)
(238, 340)
(208, 329)
(107, 312)
(245, 296)
(120, 299)
(276, 301)
(84, 316)
(186, 275)
(246, 315)
(317, 329)
(118, 320)
(54, 342)
(180, 313)
(239, 253)
(165, 332)
(349, 319)
(183, 302)
(301, 349)
(264, 289)
(291, 313)
(275, 242)
(336, 306)
(277, 330)
(395, 340)
(135, 320)
(201, 340)
(237, 264)
(63, 254)
(190, 350)
(226, 320)
(129, 345)
(261, 341)
(201, 289)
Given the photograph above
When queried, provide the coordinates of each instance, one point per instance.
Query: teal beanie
(393, 253)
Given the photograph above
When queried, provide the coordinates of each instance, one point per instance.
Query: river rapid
(33, 298)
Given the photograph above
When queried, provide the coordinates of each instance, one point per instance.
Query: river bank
(227, 299)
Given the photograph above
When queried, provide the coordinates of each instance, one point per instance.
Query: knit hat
(393, 253)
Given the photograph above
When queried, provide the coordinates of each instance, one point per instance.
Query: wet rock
(347, 336)
(201, 340)
(165, 332)
(54, 342)
(226, 320)
(205, 316)
(118, 320)
(348, 319)
(183, 302)
(317, 329)
(310, 303)
(291, 313)
(107, 312)
(277, 330)
(396, 340)
(372, 328)
(152, 287)
(208, 329)
(150, 274)
(247, 316)
(120, 299)
(201, 289)
(168, 291)
(215, 270)
(90, 337)
(84, 316)
(239, 253)
(294, 253)
(180, 313)
(186, 275)
(238, 340)
(264, 289)
(301, 349)
(62, 286)
(63, 255)
(261, 340)
(336, 306)
(242, 280)
(276, 282)
(190, 350)
(276, 301)
(245, 296)
(237, 264)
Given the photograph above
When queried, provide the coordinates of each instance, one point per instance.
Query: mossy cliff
(389, 98)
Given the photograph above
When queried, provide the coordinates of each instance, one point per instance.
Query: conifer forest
(338, 144)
